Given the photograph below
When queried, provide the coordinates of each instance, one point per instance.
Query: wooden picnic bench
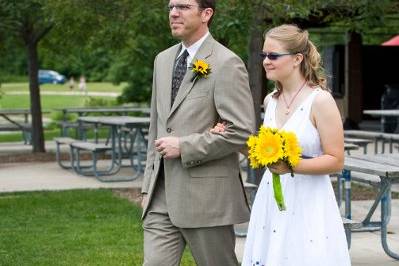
(375, 136)
(65, 125)
(385, 114)
(12, 124)
(386, 168)
(359, 142)
(136, 151)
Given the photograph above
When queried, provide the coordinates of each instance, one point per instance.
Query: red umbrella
(392, 42)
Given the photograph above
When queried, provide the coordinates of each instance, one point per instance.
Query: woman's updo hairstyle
(296, 40)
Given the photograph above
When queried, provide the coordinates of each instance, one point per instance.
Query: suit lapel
(187, 84)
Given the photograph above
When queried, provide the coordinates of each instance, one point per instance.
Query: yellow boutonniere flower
(201, 69)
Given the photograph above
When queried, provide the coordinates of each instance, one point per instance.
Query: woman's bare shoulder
(323, 99)
(268, 97)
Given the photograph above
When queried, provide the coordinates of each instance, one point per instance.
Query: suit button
(168, 130)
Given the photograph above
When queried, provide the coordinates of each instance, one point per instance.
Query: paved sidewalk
(49, 176)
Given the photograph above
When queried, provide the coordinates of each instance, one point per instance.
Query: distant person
(82, 84)
(71, 83)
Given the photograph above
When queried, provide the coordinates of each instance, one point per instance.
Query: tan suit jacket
(203, 187)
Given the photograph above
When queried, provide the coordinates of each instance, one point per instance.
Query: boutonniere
(201, 69)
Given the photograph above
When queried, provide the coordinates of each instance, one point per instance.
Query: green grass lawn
(53, 101)
(49, 102)
(91, 86)
(78, 227)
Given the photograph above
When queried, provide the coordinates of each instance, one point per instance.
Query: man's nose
(173, 12)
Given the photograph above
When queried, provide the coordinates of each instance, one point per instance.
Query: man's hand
(168, 147)
(144, 200)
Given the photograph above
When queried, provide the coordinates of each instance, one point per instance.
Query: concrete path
(49, 176)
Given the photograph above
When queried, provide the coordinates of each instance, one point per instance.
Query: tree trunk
(353, 79)
(255, 81)
(35, 103)
(255, 72)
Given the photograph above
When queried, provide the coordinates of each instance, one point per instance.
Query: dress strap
(270, 111)
(307, 105)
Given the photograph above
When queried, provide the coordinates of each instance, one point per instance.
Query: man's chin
(176, 34)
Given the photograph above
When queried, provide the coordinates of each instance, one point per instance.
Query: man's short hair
(208, 4)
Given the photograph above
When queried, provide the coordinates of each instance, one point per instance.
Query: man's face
(185, 19)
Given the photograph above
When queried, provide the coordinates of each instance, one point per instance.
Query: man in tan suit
(192, 190)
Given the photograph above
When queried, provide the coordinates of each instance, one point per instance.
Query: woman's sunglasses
(273, 56)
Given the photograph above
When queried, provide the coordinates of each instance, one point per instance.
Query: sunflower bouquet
(271, 146)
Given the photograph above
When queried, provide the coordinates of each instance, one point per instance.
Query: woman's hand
(218, 128)
(280, 168)
(144, 200)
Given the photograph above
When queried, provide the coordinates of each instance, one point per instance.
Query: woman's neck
(290, 85)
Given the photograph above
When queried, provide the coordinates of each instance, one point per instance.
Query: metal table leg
(385, 217)
(348, 206)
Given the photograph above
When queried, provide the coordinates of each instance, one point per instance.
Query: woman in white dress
(310, 231)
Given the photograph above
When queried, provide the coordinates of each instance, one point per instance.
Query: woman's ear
(298, 59)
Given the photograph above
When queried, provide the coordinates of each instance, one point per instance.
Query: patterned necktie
(178, 74)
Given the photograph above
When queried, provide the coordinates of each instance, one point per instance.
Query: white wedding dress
(310, 232)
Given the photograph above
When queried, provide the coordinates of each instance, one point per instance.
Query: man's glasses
(180, 7)
(273, 56)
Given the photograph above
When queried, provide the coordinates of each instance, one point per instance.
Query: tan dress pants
(164, 243)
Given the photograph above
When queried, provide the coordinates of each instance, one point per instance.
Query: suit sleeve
(234, 105)
(152, 134)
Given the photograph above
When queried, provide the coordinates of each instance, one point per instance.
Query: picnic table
(383, 114)
(350, 147)
(119, 125)
(84, 111)
(386, 168)
(13, 124)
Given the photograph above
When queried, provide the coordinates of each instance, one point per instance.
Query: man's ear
(206, 14)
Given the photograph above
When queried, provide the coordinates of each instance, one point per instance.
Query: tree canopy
(117, 40)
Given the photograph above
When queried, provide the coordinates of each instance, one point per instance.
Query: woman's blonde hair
(296, 40)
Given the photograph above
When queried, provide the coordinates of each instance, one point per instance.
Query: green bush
(57, 117)
(5, 77)
(94, 102)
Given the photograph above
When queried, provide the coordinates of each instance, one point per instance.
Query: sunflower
(269, 148)
(292, 149)
(200, 67)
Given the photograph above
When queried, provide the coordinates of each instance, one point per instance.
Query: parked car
(51, 76)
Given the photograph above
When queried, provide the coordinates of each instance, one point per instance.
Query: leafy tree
(31, 21)
(118, 39)
(26, 20)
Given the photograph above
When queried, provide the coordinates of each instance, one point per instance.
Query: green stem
(278, 192)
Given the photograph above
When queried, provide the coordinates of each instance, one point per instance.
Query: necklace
(287, 106)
